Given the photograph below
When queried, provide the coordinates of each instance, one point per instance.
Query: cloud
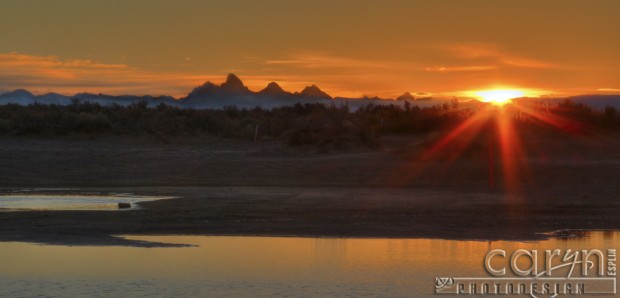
(22, 70)
(347, 76)
(460, 68)
(52, 66)
(314, 60)
(21, 60)
(337, 75)
(498, 56)
(42, 74)
(608, 89)
(528, 63)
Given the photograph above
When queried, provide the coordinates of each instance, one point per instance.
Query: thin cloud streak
(497, 55)
(338, 76)
(14, 59)
(42, 74)
(460, 68)
(331, 61)
(347, 77)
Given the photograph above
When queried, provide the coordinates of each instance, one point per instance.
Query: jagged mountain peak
(206, 88)
(233, 83)
(406, 96)
(314, 91)
(274, 89)
(274, 86)
(20, 93)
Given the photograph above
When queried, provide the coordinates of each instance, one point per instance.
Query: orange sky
(348, 48)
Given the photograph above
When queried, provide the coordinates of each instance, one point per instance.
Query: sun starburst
(498, 96)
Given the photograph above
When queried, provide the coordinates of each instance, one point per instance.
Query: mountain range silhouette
(234, 86)
(233, 92)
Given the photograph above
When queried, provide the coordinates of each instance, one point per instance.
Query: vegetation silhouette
(297, 125)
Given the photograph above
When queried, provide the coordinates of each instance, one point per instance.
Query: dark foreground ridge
(237, 187)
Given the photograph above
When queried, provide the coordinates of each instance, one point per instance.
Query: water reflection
(256, 266)
(49, 201)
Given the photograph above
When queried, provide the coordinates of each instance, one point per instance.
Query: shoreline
(126, 240)
(306, 212)
(269, 189)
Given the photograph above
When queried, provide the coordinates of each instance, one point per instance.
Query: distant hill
(209, 95)
(406, 96)
(23, 97)
(597, 101)
(233, 92)
(273, 89)
(313, 92)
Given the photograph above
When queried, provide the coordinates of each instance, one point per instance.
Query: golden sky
(348, 48)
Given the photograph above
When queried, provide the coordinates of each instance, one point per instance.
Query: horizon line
(461, 94)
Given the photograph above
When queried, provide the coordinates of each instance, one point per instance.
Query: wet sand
(237, 187)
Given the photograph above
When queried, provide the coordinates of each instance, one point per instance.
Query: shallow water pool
(50, 201)
(258, 266)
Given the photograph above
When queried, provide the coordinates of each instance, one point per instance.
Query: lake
(220, 266)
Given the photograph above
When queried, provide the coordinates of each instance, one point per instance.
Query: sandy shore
(235, 187)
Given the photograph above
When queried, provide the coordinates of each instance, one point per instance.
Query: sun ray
(473, 123)
(549, 118)
(510, 153)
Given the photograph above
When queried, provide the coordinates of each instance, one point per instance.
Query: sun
(499, 97)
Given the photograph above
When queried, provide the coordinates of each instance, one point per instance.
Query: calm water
(50, 201)
(255, 266)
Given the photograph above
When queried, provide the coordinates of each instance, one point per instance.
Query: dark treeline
(297, 125)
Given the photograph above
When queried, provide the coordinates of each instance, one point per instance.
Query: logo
(549, 273)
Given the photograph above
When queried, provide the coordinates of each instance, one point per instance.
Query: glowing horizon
(499, 96)
(502, 94)
(360, 48)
